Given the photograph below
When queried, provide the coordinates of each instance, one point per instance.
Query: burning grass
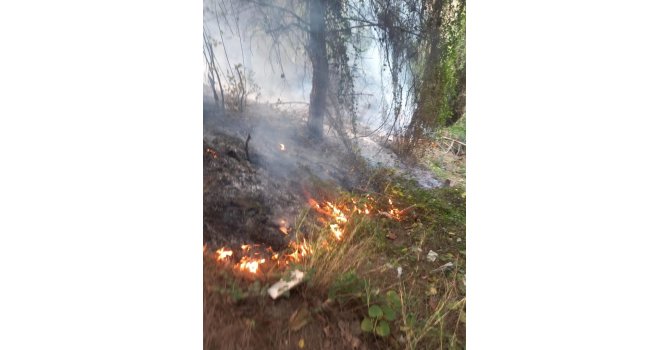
(368, 236)
(355, 248)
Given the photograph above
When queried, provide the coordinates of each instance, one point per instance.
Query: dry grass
(239, 314)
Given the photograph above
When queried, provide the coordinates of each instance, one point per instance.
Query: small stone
(431, 256)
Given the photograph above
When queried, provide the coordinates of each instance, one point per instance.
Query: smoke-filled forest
(334, 151)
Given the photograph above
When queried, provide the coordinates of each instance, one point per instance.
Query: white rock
(431, 256)
(282, 286)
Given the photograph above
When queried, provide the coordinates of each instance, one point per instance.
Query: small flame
(314, 204)
(283, 227)
(301, 251)
(250, 264)
(335, 228)
(223, 253)
(212, 153)
(336, 213)
(281, 147)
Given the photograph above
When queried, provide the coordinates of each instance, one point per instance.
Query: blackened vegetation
(235, 206)
(245, 201)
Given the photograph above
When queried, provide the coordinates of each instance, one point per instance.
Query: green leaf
(389, 313)
(411, 320)
(366, 325)
(383, 329)
(375, 311)
(393, 300)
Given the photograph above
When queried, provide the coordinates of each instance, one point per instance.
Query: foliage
(240, 85)
(382, 309)
(233, 290)
(453, 67)
(380, 313)
(346, 286)
(457, 130)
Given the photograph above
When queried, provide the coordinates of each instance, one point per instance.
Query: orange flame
(336, 213)
(301, 251)
(249, 264)
(335, 228)
(223, 253)
(283, 226)
(334, 217)
(212, 152)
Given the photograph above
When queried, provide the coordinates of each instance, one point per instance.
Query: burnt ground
(246, 199)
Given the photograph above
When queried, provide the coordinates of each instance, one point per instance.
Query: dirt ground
(247, 199)
(259, 172)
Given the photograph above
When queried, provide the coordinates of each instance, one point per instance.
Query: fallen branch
(453, 140)
(450, 146)
(406, 209)
(291, 102)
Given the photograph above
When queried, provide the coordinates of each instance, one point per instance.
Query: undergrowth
(379, 274)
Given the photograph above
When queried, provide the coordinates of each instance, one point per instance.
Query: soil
(259, 171)
(253, 189)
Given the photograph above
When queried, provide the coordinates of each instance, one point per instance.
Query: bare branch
(265, 4)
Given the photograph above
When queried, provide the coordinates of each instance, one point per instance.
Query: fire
(283, 227)
(335, 229)
(301, 251)
(249, 264)
(334, 216)
(336, 213)
(223, 253)
(281, 147)
(212, 153)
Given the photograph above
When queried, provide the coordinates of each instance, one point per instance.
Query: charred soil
(278, 200)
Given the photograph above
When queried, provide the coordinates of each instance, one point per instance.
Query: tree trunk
(430, 96)
(318, 56)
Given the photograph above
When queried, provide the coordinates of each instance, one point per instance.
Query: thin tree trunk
(317, 54)
(429, 96)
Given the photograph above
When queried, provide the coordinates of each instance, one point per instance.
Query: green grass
(457, 131)
(357, 277)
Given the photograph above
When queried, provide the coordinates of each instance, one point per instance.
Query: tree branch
(265, 4)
